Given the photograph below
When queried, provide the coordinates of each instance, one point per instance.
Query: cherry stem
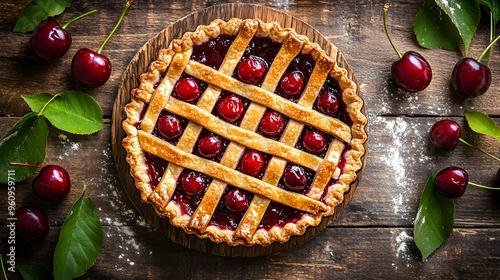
(3, 268)
(483, 187)
(125, 9)
(479, 149)
(26, 164)
(492, 33)
(487, 49)
(386, 8)
(78, 18)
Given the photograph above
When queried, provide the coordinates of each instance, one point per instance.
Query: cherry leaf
(481, 123)
(37, 11)
(494, 7)
(80, 241)
(34, 272)
(434, 220)
(37, 101)
(25, 142)
(434, 29)
(73, 111)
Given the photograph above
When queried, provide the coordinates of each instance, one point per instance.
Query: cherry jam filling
(215, 152)
(212, 52)
(253, 163)
(279, 215)
(272, 126)
(225, 218)
(193, 94)
(302, 66)
(302, 143)
(155, 169)
(172, 140)
(228, 109)
(188, 202)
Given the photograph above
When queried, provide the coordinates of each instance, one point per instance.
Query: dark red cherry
(328, 103)
(272, 123)
(445, 134)
(252, 163)
(236, 200)
(314, 141)
(91, 68)
(31, 224)
(169, 126)
(51, 183)
(452, 181)
(295, 177)
(251, 70)
(188, 89)
(230, 108)
(210, 146)
(292, 83)
(193, 182)
(470, 78)
(411, 72)
(49, 41)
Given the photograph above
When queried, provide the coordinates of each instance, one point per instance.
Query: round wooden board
(140, 63)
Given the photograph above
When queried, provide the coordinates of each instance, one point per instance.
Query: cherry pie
(244, 132)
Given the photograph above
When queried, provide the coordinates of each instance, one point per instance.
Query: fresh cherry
(193, 182)
(236, 200)
(92, 68)
(210, 146)
(230, 108)
(31, 224)
(272, 123)
(188, 89)
(452, 181)
(252, 70)
(169, 126)
(292, 83)
(314, 141)
(52, 183)
(49, 41)
(411, 72)
(445, 134)
(328, 103)
(252, 163)
(470, 78)
(295, 177)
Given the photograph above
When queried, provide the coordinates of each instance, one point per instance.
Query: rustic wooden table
(372, 238)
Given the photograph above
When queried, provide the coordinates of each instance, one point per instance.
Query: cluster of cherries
(412, 73)
(452, 181)
(231, 108)
(49, 41)
(53, 184)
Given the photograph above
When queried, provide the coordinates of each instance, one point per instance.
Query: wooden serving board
(140, 63)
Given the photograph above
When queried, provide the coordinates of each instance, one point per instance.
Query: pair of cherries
(49, 41)
(412, 73)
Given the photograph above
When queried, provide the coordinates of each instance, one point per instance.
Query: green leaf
(482, 123)
(34, 272)
(465, 16)
(494, 7)
(75, 112)
(80, 241)
(37, 101)
(37, 11)
(434, 29)
(25, 142)
(434, 220)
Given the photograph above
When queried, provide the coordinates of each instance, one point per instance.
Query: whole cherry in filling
(314, 141)
(327, 103)
(210, 146)
(193, 182)
(230, 108)
(169, 126)
(236, 200)
(292, 83)
(187, 89)
(252, 163)
(295, 177)
(252, 70)
(272, 123)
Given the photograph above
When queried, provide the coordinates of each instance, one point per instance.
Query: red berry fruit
(445, 134)
(470, 78)
(91, 68)
(187, 89)
(295, 177)
(210, 146)
(230, 108)
(31, 224)
(236, 200)
(49, 41)
(272, 123)
(328, 103)
(169, 126)
(452, 181)
(52, 183)
(251, 70)
(252, 163)
(314, 141)
(193, 182)
(292, 83)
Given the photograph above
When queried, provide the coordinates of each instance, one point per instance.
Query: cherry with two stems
(471, 78)
(411, 72)
(50, 41)
(92, 68)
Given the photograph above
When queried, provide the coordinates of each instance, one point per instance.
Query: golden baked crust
(148, 100)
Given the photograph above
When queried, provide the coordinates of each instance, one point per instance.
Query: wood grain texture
(372, 237)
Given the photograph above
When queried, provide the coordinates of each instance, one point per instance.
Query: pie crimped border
(135, 155)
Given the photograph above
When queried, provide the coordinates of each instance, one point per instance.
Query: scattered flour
(69, 148)
(401, 242)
